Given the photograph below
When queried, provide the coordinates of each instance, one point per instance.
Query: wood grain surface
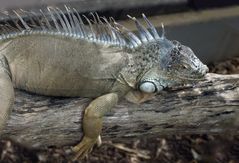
(211, 106)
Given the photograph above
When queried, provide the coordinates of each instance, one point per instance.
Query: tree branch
(212, 106)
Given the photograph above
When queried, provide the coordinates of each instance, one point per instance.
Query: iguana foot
(84, 148)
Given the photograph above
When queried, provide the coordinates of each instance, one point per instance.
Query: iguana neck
(135, 68)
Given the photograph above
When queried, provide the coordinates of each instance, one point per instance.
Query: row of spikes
(98, 29)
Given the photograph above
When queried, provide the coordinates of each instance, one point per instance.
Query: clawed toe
(83, 148)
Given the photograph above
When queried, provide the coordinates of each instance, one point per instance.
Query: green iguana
(57, 54)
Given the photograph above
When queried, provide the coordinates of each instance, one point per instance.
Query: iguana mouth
(196, 77)
(192, 78)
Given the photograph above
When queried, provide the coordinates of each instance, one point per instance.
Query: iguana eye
(148, 87)
(185, 66)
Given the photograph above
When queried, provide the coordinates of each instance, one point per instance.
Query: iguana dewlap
(58, 55)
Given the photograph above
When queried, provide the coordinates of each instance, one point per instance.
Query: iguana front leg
(6, 92)
(92, 123)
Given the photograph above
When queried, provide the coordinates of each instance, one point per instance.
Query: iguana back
(62, 65)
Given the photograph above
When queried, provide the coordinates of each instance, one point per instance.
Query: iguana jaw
(192, 78)
(198, 76)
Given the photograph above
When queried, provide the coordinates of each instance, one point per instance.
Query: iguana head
(160, 62)
(179, 61)
(168, 63)
(156, 62)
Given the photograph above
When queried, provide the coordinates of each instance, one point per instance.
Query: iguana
(58, 54)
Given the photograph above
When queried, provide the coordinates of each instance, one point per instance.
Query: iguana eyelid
(185, 66)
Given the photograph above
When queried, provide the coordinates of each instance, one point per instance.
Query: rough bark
(211, 106)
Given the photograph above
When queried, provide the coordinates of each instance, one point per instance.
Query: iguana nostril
(204, 70)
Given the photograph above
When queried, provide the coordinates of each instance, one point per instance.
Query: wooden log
(211, 106)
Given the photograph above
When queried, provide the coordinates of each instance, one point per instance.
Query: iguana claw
(84, 148)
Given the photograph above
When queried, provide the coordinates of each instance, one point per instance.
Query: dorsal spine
(69, 23)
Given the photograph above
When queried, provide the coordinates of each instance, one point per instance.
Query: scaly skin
(106, 66)
(61, 67)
